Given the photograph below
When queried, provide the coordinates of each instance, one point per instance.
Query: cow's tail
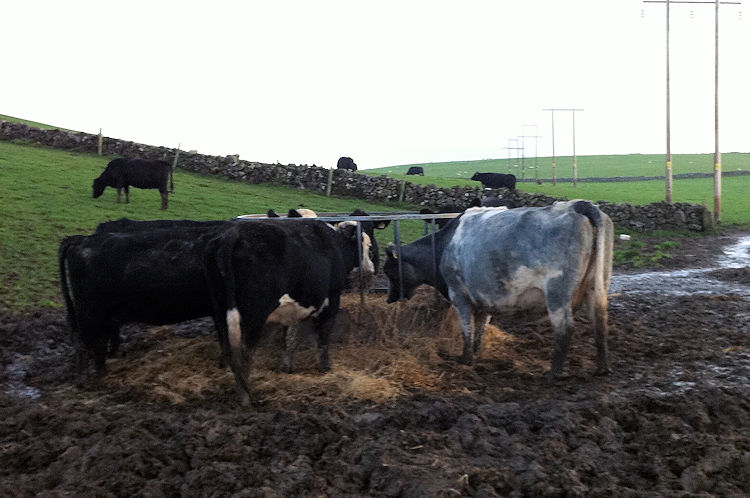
(222, 251)
(601, 266)
(171, 180)
(65, 283)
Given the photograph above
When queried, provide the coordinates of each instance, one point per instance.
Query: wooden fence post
(330, 182)
(100, 142)
(401, 191)
(176, 156)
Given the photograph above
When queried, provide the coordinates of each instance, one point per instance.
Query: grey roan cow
(495, 260)
(123, 173)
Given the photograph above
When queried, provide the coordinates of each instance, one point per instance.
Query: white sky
(387, 82)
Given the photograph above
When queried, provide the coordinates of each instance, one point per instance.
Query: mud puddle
(694, 281)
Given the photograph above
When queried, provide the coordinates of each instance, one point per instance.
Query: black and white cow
(346, 163)
(495, 180)
(415, 170)
(279, 271)
(495, 260)
(142, 173)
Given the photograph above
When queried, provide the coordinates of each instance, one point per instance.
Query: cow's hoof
(553, 377)
(602, 371)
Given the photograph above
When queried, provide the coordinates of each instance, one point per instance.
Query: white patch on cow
(307, 213)
(233, 325)
(367, 264)
(322, 307)
(289, 311)
(557, 318)
(526, 288)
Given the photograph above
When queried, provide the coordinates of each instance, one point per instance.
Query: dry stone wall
(346, 183)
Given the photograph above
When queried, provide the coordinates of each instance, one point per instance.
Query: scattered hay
(378, 352)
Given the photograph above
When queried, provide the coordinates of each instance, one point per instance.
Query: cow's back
(510, 258)
(143, 173)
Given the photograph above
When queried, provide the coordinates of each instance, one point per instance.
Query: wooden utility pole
(717, 152)
(575, 158)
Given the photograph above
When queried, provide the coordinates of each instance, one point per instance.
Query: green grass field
(735, 199)
(588, 166)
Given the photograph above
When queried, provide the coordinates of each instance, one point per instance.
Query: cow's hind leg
(243, 333)
(119, 192)
(562, 320)
(465, 313)
(164, 199)
(597, 310)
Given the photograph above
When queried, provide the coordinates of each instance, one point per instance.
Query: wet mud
(398, 415)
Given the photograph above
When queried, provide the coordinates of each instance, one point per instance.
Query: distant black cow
(496, 180)
(278, 271)
(415, 170)
(346, 163)
(141, 173)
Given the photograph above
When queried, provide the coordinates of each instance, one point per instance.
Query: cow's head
(369, 228)
(348, 229)
(476, 176)
(99, 186)
(410, 280)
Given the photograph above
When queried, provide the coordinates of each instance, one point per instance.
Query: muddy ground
(398, 416)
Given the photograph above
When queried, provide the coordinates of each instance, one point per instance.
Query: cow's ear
(389, 252)
(272, 214)
(293, 213)
(382, 224)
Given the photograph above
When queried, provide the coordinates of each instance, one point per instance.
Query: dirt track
(398, 416)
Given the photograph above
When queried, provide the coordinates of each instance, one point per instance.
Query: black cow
(132, 274)
(496, 180)
(415, 170)
(346, 163)
(141, 173)
(279, 271)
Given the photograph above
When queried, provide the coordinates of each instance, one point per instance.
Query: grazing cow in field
(496, 180)
(142, 173)
(415, 170)
(346, 163)
(132, 274)
(495, 260)
(279, 271)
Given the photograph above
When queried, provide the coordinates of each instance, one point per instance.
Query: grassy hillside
(588, 166)
(3, 117)
(45, 195)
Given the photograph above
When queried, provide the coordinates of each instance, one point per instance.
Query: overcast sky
(387, 82)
